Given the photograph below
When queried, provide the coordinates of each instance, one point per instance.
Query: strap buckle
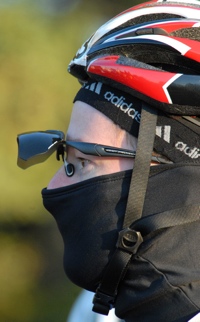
(103, 303)
(129, 240)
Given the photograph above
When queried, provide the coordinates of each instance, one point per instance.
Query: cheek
(126, 164)
(116, 165)
(60, 179)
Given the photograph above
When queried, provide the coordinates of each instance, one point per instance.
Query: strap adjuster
(103, 303)
(129, 240)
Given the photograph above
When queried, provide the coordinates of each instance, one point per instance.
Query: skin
(89, 125)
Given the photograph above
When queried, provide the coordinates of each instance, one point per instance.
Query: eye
(83, 162)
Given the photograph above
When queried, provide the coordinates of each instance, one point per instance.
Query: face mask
(89, 216)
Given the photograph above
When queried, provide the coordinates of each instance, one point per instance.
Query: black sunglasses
(36, 147)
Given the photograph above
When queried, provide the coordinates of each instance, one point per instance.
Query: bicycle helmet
(152, 52)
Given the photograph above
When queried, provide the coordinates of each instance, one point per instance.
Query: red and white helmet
(151, 51)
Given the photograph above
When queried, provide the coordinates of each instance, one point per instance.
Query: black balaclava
(90, 215)
(162, 282)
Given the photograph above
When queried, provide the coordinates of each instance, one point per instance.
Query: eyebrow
(74, 139)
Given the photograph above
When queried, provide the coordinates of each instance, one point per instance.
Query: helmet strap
(129, 240)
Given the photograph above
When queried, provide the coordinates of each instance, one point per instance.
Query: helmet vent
(191, 33)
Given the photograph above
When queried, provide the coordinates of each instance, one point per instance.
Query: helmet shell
(151, 51)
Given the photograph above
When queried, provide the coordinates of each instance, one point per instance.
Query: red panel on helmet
(194, 51)
(151, 83)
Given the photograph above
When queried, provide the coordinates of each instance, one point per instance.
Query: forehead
(89, 125)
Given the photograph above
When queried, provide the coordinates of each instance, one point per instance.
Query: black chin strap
(129, 240)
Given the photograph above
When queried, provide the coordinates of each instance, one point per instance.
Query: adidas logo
(119, 102)
(123, 106)
(193, 153)
(95, 87)
(164, 132)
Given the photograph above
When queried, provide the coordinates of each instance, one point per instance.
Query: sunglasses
(36, 147)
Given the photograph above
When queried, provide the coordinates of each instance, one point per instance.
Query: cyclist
(126, 200)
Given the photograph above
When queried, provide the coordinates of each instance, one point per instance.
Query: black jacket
(162, 283)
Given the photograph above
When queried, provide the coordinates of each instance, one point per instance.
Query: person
(126, 200)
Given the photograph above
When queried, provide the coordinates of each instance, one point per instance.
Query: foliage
(36, 91)
(36, 94)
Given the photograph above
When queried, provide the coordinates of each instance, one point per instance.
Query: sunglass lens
(36, 147)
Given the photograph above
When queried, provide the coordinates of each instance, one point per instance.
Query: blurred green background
(38, 38)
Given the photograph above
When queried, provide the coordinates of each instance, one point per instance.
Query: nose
(60, 179)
